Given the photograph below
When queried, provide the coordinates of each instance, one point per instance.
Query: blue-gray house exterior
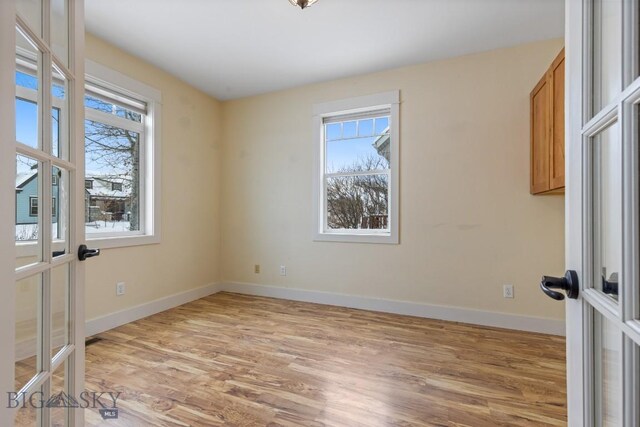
(104, 198)
(26, 191)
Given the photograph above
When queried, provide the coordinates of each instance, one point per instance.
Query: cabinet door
(541, 135)
(556, 168)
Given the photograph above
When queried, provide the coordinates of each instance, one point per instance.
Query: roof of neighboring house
(23, 178)
(102, 186)
(381, 144)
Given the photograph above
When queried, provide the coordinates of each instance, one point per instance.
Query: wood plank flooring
(231, 359)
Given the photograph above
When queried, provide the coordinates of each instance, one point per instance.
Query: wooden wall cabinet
(547, 131)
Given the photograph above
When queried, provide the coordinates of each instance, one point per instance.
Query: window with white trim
(356, 169)
(33, 206)
(114, 161)
(121, 159)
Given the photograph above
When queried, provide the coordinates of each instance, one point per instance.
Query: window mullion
(112, 120)
(357, 173)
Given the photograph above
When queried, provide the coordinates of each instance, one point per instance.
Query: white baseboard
(441, 312)
(26, 348)
(128, 315)
(97, 325)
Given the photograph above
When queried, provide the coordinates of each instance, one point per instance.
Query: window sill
(122, 241)
(380, 238)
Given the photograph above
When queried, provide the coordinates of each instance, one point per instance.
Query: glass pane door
(47, 351)
(610, 214)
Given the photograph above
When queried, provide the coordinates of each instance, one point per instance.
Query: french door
(602, 212)
(41, 212)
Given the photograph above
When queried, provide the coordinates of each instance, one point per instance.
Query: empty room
(320, 213)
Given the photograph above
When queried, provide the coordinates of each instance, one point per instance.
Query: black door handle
(610, 286)
(84, 252)
(568, 283)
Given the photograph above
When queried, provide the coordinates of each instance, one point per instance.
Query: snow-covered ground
(25, 232)
(107, 227)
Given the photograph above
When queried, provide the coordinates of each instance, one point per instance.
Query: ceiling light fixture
(302, 3)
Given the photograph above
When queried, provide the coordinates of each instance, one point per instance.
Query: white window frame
(389, 100)
(32, 199)
(150, 185)
(33, 206)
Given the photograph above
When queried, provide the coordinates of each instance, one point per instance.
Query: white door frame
(573, 209)
(7, 207)
(76, 125)
(75, 370)
(580, 126)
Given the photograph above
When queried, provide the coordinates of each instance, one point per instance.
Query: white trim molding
(105, 76)
(429, 311)
(151, 176)
(7, 208)
(104, 323)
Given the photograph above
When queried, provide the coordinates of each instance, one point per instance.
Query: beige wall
(468, 224)
(188, 256)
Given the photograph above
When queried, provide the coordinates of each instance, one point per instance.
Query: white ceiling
(237, 48)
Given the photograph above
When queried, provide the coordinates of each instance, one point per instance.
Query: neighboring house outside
(107, 198)
(27, 197)
(382, 144)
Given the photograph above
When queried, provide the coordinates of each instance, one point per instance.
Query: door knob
(610, 286)
(568, 283)
(84, 252)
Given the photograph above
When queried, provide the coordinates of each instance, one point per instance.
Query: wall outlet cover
(507, 291)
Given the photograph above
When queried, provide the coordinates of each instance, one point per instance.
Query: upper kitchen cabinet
(547, 130)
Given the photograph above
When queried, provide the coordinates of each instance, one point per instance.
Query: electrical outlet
(507, 291)
(256, 268)
(283, 270)
(120, 288)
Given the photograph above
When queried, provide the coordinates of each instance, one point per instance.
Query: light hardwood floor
(230, 359)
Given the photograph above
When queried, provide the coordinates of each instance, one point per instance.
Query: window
(121, 159)
(54, 179)
(33, 206)
(122, 151)
(356, 185)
